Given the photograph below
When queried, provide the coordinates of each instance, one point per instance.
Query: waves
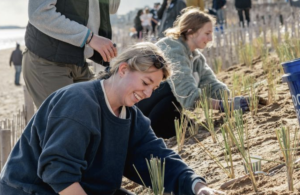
(9, 38)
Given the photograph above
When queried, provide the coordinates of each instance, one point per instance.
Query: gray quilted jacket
(191, 73)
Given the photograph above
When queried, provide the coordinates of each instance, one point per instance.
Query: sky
(14, 12)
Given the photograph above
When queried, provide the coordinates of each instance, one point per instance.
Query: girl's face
(199, 39)
(136, 85)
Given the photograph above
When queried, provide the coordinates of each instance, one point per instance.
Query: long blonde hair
(139, 57)
(191, 18)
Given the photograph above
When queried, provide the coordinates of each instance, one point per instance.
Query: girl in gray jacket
(193, 30)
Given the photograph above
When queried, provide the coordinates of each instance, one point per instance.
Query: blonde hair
(191, 19)
(139, 57)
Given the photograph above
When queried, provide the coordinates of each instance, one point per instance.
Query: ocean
(9, 38)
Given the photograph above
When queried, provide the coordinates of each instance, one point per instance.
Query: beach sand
(11, 96)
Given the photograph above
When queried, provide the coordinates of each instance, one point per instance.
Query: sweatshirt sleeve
(182, 83)
(178, 176)
(63, 153)
(43, 15)
(208, 78)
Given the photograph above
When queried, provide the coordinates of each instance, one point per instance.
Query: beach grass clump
(288, 147)
(181, 126)
(217, 65)
(156, 168)
(228, 153)
(258, 45)
(239, 135)
(206, 105)
(247, 54)
(236, 84)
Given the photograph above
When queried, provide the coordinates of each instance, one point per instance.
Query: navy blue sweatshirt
(74, 137)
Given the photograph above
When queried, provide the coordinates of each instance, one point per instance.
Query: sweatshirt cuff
(60, 187)
(187, 181)
(195, 182)
(86, 37)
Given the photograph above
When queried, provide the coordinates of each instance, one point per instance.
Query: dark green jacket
(58, 51)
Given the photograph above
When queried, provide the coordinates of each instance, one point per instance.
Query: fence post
(29, 107)
(5, 145)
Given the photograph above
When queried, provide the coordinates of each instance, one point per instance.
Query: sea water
(9, 37)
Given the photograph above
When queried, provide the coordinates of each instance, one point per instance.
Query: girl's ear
(122, 69)
(189, 32)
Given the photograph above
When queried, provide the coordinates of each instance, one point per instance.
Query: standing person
(168, 12)
(60, 36)
(138, 24)
(196, 3)
(155, 19)
(243, 7)
(16, 59)
(86, 136)
(193, 30)
(146, 18)
(219, 6)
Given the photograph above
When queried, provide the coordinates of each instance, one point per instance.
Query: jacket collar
(187, 49)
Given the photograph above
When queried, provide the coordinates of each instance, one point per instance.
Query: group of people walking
(86, 135)
(162, 16)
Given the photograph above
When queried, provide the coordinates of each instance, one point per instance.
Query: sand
(11, 96)
(262, 142)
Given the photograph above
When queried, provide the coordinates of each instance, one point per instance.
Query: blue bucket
(292, 78)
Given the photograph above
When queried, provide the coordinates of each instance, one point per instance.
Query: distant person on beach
(243, 8)
(219, 6)
(86, 136)
(167, 13)
(146, 19)
(155, 19)
(138, 24)
(196, 3)
(60, 36)
(193, 30)
(16, 59)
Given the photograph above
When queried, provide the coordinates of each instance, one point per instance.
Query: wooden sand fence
(267, 21)
(11, 129)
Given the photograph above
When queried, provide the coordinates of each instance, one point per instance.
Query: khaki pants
(43, 77)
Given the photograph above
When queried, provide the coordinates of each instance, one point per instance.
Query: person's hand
(202, 189)
(239, 102)
(104, 46)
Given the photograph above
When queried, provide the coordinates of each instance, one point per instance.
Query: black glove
(239, 102)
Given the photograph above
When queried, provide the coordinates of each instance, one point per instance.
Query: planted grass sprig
(253, 97)
(254, 100)
(228, 153)
(287, 146)
(217, 65)
(157, 175)
(156, 170)
(206, 106)
(180, 128)
(236, 80)
(228, 108)
(246, 55)
(271, 79)
(239, 134)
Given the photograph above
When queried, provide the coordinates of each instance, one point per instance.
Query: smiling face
(136, 86)
(199, 39)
